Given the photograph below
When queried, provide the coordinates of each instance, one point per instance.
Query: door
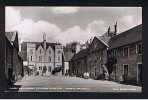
(10, 71)
(139, 74)
(125, 73)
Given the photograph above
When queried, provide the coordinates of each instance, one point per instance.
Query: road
(71, 84)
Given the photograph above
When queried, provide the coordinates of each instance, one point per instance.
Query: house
(97, 58)
(42, 57)
(93, 58)
(78, 65)
(126, 49)
(3, 81)
(68, 51)
(13, 67)
(11, 63)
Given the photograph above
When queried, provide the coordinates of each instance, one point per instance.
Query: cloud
(33, 31)
(12, 18)
(98, 27)
(127, 22)
(64, 10)
(74, 33)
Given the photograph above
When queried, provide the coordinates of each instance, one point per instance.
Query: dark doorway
(10, 72)
(139, 74)
(125, 73)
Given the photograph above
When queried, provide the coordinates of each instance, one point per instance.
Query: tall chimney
(115, 27)
(44, 41)
(108, 30)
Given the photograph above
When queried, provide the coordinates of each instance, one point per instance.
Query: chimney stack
(44, 41)
(115, 28)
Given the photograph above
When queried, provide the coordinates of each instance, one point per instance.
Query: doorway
(139, 74)
(10, 72)
(125, 73)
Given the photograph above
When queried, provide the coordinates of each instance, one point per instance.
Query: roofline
(124, 45)
(127, 30)
(102, 41)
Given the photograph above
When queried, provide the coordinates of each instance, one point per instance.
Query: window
(49, 59)
(59, 51)
(125, 51)
(31, 51)
(49, 52)
(40, 68)
(31, 58)
(49, 69)
(58, 58)
(132, 49)
(40, 58)
(139, 48)
(40, 51)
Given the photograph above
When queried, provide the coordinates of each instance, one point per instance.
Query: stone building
(68, 51)
(78, 63)
(3, 82)
(42, 57)
(127, 49)
(14, 65)
(93, 59)
(97, 58)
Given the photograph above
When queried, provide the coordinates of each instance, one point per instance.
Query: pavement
(71, 84)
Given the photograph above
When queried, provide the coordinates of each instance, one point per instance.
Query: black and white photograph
(73, 49)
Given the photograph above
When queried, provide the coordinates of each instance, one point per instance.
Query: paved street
(71, 84)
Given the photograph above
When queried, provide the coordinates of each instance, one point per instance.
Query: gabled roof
(104, 40)
(130, 36)
(80, 54)
(11, 36)
(52, 45)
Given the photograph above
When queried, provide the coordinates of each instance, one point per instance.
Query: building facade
(42, 57)
(119, 55)
(127, 49)
(96, 58)
(78, 65)
(3, 82)
(13, 61)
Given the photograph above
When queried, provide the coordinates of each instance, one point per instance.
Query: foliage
(110, 63)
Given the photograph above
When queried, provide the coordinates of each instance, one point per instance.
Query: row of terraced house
(117, 56)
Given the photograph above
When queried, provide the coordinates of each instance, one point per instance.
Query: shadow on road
(14, 88)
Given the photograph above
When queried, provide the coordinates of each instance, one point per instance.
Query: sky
(68, 24)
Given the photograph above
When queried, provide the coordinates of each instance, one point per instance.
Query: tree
(110, 64)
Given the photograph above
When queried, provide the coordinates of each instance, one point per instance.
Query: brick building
(127, 49)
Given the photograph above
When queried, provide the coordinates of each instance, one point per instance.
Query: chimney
(115, 26)
(108, 30)
(44, 41)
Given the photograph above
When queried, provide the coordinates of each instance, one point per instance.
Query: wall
(132, 60)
